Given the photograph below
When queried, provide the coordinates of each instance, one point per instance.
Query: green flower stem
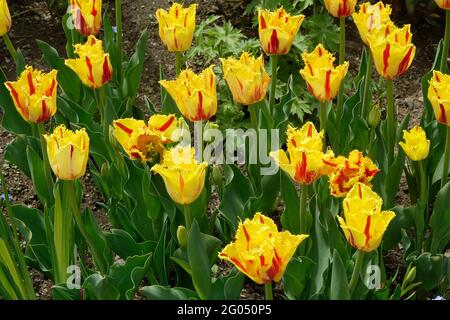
(102, 110)
(356, 271)
(340, 98)
(47, 169)
(391, 121)
(253, 117)
(97, 256)
(273, 84)
(119, 37)
(367, 82)
(62, 236)
(423, 181)
(446, 159)
(179, 62)
(423, 200)
(187, 216)
(443, 65)
(302, 208)
(323, 117)
(371, 142)
(268, 291)
(12, 241)
(10, 46)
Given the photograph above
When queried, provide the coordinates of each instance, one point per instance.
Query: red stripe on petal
(107, 75)
(124, 128)
(367, 230)
(274, 44)
(30, 83)
(405, 62)
(166, 125)
(386, 55)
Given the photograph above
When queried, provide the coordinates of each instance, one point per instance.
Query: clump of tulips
(340, 171)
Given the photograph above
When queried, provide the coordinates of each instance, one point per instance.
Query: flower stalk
(443, 65)
(446, 159)
(273, 84)
(10, 46)
(390, 116)
(356, 271)
(268, 291)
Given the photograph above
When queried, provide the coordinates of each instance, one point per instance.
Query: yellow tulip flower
(349, 171)
(439, 96)
(247, 79)
(5, 18)
(340, 8)
(364, 223)
(307, 137)
(177, 26)
(260, 251)
(306, 162)
(68, 152)
(195, 95)
(93, 65)
(142, 141)
(371, 16)
(86, 16)
(443, 4)
(322, 78)
(416, 145)
(392, 49)
(277, 30)
(34, 94)
(183, 176)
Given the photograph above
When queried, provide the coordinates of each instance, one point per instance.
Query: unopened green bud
(374, 116)
(104, 170)
(182, 236)
(112, 137)
(410, 276)
(217, 176)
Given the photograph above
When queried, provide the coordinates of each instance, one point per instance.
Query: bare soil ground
(32, 20)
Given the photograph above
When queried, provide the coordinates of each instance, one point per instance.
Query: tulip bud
(105, 170)
(182, 236)
(374, 116)
(111, 137)
(5, 18)
(410, 276)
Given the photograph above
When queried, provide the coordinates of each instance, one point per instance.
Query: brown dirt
(139, 15)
